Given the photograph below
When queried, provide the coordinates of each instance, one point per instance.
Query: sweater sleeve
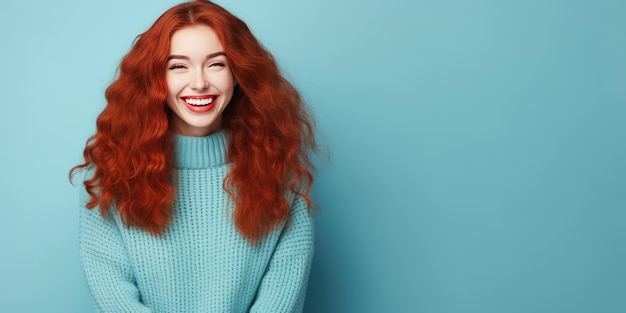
(106, 264)
(283, 287)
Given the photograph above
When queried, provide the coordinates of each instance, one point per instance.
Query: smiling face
(199, 81)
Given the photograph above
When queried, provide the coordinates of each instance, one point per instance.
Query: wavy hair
(269, 129)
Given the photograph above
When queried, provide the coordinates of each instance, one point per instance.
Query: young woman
(198, 177)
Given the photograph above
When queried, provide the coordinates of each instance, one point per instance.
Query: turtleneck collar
(200, 152)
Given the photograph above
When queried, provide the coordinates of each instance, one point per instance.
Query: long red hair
(270, 132)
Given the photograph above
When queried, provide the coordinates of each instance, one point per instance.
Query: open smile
(199, 104)
(199, 100)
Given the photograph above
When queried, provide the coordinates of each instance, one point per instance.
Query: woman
(198, 181)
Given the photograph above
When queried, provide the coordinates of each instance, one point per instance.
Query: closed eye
(177, 66)
(217, 64)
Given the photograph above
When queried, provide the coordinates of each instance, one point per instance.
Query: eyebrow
(184, 57)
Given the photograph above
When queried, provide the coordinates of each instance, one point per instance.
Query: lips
(199, 104)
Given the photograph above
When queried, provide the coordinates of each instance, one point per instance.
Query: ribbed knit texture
(201, 263)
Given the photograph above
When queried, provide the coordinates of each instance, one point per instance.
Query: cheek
(172, 97)
(225, 80)
(173, 89)
(173, 82)
(227, 83)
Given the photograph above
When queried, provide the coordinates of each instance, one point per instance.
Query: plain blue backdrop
(478, 150)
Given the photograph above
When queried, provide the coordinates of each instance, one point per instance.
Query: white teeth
(203, 101)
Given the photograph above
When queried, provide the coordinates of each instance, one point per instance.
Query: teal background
(478, 154)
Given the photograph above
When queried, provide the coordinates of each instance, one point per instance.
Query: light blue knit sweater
(201, 264)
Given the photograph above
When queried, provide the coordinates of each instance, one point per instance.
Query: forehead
(199, 39)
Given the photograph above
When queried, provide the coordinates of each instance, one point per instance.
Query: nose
(199, 81)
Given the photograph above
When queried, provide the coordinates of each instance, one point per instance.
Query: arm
(106, 265)
(284, 283)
